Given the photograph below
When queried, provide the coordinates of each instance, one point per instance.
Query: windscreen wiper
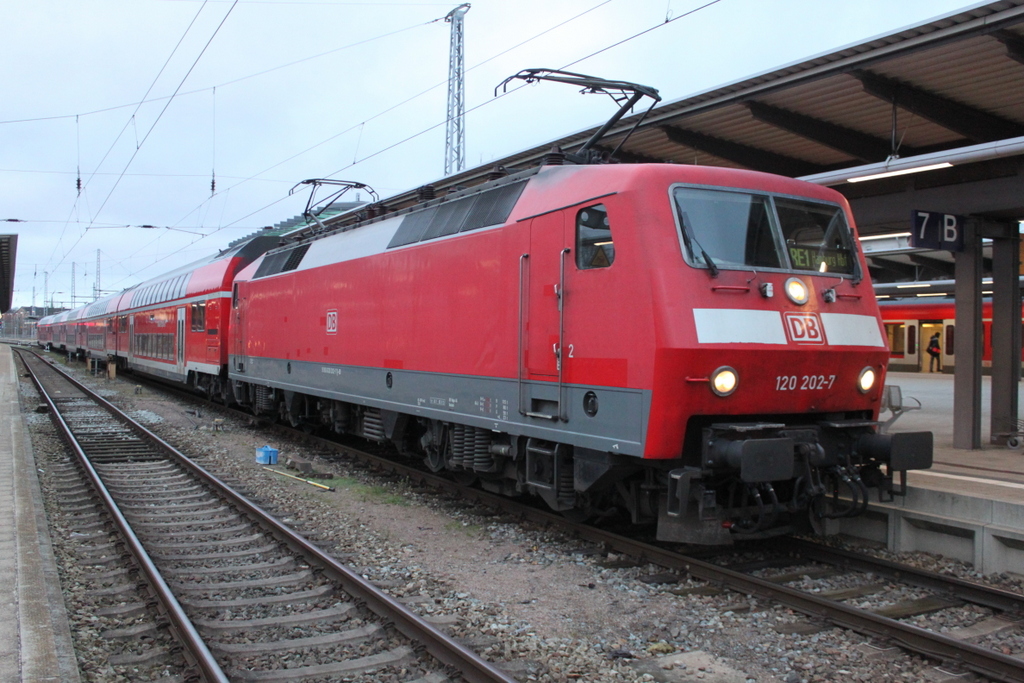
(692, 239)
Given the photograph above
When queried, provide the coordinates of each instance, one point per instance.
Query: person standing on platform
(934, 350)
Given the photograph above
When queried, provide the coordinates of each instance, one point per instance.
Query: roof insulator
(555, 157)
(497, 172)
(425, 193)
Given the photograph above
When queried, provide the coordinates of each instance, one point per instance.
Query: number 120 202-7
(804, 382)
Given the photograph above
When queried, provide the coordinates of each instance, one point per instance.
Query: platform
(970, 505)
(35, 640)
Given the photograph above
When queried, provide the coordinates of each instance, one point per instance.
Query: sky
(148, 101)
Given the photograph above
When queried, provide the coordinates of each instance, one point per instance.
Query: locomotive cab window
(732, 228)
(817, 237)
(594, 246)
(736, 229)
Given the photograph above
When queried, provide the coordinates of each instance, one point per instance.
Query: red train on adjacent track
(697, 347)
(910, 323)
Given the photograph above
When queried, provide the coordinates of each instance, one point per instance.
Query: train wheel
(583, 511)
(434, 459)
(577, 516)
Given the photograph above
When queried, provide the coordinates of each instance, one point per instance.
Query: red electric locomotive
(697, 346)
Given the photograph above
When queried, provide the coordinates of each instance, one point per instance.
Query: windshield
(747, 230)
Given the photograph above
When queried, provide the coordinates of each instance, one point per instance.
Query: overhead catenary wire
(213, 162)
(166, 105)
(434, 126)
(441, 123)
(387, 110)
(159, 116)
(130, 121)
(233, 81)
(566, 66)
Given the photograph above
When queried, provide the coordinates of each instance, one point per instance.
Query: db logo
(332, 322)
(804, 328)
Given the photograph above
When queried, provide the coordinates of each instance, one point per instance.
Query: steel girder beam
(1006, 334)
(967, 373)
(1013, 43)
(745, 155)
(899, 268)
(944, 268)
(846, 140)
(974, 124)
(625, 157)
(8, 257)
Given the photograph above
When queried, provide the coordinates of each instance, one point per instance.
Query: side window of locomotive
(817, 236)
(732, 228)
(594, 246)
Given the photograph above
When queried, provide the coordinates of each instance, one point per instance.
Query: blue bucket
(266, 455)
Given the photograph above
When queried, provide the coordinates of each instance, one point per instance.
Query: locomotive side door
(542, 299)
(237, 330)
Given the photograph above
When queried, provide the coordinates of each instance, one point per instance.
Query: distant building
(20, 323)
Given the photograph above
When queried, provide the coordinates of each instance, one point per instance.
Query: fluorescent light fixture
(904, 171)
(884, 237)
(912, 286)
(932, 294)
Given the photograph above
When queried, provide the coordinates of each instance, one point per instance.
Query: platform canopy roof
(8, 251)
(952, 88)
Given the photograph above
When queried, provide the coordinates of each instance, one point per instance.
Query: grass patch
(468, 529)
(367, 494)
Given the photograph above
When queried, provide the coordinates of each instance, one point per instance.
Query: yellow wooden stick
(311, 483)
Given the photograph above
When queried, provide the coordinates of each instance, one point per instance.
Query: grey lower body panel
(618, 426)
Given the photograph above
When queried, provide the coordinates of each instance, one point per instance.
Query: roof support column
(1006, 328)
(967, 374)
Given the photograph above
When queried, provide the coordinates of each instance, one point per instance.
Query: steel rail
(442, 647)
(988, 663)
(994, 665)
(180, 623)
(994, 598)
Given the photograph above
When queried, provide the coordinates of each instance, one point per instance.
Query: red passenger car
(910, 324)
(174, 326)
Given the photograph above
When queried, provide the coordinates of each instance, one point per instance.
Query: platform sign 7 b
(938, 231)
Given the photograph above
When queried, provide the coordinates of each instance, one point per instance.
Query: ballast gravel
(541, 604)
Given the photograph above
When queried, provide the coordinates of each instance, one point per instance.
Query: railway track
(785, 574)
(794, 562)
(248, 598)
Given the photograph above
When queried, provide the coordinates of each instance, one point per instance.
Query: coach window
(895, 333)
(911, 339)
(950, 338)
(594, 246)
(199, 317)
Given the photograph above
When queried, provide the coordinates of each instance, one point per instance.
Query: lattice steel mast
(455, 131)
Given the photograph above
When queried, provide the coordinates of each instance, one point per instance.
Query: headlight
(796, 290)
(724, 381)
(866, 380)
